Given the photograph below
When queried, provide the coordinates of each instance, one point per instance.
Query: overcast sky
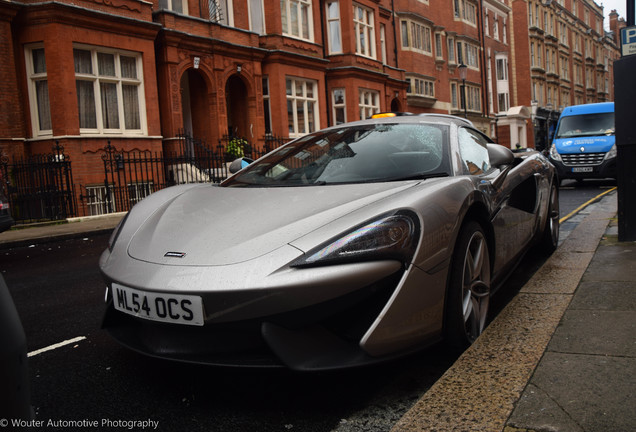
(609, 5)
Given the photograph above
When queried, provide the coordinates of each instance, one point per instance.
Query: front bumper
(606, 169)
(317, 337)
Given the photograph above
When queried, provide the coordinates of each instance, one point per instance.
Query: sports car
(349, 246)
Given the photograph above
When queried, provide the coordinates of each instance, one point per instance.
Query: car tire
(550, 235)
(468, 295)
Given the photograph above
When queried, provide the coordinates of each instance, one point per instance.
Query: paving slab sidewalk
(559, 357)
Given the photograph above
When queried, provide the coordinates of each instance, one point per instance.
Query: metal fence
(41, 187)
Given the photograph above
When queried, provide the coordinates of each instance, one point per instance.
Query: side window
(474, 151)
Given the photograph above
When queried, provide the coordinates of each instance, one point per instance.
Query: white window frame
(369, 102)
(452, 55)
(96, 199)
(533, 60)
(305, 30)
(418, 37)
(439, 53)
(469, 12)
(473, 98)
(383, 43)
(168, 5)
(565, 98)
(119, 81)
(219, 15)
(565, 68)
(334, 26)
(503, 102)
(503, 84)
(300, 98)
(33, 79)
(364, 30)
(469, 54)
(421, 87)
(486, 23)
(138, 191)
(495, 28)
(257, 7)
(454, 92)
(335, 106)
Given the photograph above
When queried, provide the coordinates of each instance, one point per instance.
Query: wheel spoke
(476, 287)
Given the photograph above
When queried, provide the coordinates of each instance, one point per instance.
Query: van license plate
(583, 169)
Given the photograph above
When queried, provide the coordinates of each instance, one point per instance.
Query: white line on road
(56, 346)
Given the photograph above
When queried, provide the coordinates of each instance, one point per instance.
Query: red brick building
(133, 74)
(562, 56)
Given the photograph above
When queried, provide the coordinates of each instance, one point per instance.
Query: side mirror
(500, 155)
(239, 164)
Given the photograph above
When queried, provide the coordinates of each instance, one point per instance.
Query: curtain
(83, 63)
(86, 104)
(110, 110)
(128, 67)
(131, 106)
(106, 64)
(256, 16)
(44, 106)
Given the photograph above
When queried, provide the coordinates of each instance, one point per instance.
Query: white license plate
(582, 169)
(170, 308)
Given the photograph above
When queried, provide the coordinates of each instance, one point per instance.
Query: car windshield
(353, 154)
(586, 125)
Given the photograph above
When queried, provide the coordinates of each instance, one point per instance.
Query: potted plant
(235, 149)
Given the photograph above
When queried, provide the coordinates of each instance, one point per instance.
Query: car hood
(208, 226)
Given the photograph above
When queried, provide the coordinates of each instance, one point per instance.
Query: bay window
(302, 106)
(416, 37)
(364, 30)
(369, 103)
(296, 19)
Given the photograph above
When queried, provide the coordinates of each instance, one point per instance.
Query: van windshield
(586, 125)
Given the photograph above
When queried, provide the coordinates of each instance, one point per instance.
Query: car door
(514, 201)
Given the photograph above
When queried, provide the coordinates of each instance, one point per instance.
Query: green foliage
(236, 148)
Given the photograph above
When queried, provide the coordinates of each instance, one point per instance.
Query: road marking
(56, 346)
(582, 206)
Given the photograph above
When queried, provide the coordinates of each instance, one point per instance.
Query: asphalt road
(59, 294)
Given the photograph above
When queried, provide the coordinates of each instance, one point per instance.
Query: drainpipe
(484, 70)
(324, 56)
(395, 50)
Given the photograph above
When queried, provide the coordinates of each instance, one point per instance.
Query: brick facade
(213, 68)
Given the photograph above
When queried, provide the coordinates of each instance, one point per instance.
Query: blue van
(584, 145)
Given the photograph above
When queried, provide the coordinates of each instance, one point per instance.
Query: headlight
(115, 233)
(554, 154)
(611, 154)
(394, 236)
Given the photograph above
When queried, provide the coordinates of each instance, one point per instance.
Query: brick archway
(236, 99)
(195, 105)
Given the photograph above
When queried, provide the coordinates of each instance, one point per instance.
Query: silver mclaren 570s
(352, 245)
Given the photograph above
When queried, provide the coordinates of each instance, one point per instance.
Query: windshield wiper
(417, 176)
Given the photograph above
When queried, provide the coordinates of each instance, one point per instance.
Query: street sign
(628, 41)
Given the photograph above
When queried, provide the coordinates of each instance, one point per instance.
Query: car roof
(412, 118)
